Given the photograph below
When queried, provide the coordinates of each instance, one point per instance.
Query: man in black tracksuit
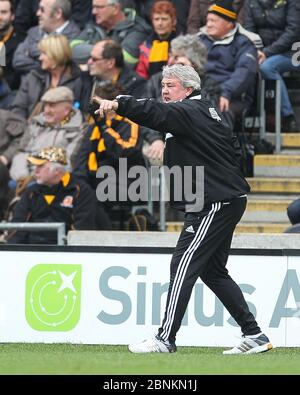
(197, 136)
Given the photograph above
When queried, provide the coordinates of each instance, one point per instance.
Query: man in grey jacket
(58, 125)
(111, 21)
(53, 16)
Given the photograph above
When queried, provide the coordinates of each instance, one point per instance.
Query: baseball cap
(56, 95)
(49, 154)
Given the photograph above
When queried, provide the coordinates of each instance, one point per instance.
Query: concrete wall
(169, 239)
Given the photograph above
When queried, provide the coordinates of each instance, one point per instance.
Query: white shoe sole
(136, 350)
(255, 350)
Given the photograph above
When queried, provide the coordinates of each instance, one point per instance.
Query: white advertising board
(119, 298)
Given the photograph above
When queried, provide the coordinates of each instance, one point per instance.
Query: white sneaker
(250, 345)
(155, 344)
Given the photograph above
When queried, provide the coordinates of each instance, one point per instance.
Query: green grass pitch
(71, 359)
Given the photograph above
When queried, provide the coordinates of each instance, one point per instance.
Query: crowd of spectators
(59, 53)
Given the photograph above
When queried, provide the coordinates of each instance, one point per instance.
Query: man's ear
(111, 63)
(59, 13)
(188, 91)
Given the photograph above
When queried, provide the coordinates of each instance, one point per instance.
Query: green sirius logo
(53, 297)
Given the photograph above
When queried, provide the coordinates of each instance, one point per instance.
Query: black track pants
(202, 251)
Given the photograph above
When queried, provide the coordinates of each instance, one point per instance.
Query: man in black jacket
(197, 138)
(55, 197)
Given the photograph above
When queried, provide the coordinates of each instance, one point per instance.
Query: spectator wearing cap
(57, 69)
(55, 197)
(58, 125)
(53, 18)
(198, 12)
(278, 24)
(231, 60)
(112, 21)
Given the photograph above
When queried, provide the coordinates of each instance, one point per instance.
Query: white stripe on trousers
(182, 269)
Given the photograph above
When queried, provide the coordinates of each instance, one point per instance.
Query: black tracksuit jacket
(196, 135)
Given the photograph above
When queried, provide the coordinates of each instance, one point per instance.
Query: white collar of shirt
(197, 97)
(60, 29)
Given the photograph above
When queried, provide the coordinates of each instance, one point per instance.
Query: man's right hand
(105, 106)
(261, 57)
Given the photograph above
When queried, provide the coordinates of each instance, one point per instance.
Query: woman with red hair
(154, 52)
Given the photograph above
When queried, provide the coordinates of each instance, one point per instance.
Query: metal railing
(60, 227)
(274, 93)
(159, 183)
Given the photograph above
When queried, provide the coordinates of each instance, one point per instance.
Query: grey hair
(187, 75)
(191, 47)
(56, 166)
(114, 2)
(65, 7)
(121, 3)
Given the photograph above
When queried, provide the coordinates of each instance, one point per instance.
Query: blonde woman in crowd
(56, 69)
